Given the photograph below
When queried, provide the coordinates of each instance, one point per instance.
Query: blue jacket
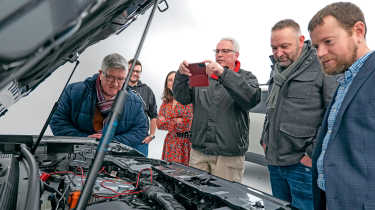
(75, 113)
(349, 162)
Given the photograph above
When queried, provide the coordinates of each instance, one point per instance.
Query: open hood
(38, 36)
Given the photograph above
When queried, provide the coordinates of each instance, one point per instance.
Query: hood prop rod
(41, 134)
(110, 129)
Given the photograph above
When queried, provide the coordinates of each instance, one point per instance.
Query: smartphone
(198, 77)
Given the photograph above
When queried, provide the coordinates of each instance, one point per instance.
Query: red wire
(102, 184)
(105, 172)
(66, 172)
(101, 170)
(118, 195)
(81, 175)
(62, 172)
(126, 192)
(139, 174)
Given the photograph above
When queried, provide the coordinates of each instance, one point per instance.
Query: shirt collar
(354, 68)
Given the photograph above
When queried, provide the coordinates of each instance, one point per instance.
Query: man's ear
(359, 31)
(301, 40)
(237, 54)
(101, 74)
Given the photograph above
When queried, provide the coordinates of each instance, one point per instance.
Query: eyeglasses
(111, 78)
(137, 71)
(224, 51)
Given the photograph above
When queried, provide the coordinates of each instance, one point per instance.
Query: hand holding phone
(198, 77)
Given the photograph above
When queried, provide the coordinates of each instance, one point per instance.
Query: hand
(183, 69)
(96, 135)
(178, 120)
(171, 125)
(148, 139)
(306, 161)
(213, 68)
(161, 118)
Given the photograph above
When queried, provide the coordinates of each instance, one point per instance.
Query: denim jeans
(293, 184)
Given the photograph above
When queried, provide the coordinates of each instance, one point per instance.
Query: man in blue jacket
(84, 108)
(344, 160)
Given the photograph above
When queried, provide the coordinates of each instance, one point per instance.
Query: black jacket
(147, 97)
(221, 119)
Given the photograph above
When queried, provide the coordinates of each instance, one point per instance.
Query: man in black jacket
(220, 128)
(299, 94)
(148, 98)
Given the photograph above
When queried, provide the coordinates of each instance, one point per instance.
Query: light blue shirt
(344, 83)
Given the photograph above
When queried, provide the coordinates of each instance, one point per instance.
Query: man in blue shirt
(343, 161)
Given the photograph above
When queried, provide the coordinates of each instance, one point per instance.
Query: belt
(186, 135)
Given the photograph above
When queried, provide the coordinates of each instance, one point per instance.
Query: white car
(255, 151)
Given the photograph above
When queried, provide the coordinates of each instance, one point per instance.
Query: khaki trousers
(227, 167)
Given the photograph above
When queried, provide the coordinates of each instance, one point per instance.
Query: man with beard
(149, 103)
(299, 94)
(220, 128)
(344, 160)
(84, 108)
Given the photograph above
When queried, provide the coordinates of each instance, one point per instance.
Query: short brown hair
(137, 63)
(346, 13)
(286, 23)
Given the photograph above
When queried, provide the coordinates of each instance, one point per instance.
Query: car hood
(38, 36)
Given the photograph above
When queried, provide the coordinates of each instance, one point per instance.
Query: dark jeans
(143, 148)
(293, 184)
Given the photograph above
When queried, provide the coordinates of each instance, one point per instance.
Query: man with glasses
(148, 100)
(220, 128)
(84, 107)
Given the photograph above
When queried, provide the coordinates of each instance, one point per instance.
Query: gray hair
(236, 46)
(114, 60)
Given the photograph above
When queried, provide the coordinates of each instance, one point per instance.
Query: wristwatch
(152, 137)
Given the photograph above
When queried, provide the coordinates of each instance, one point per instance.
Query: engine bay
(128, 180)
